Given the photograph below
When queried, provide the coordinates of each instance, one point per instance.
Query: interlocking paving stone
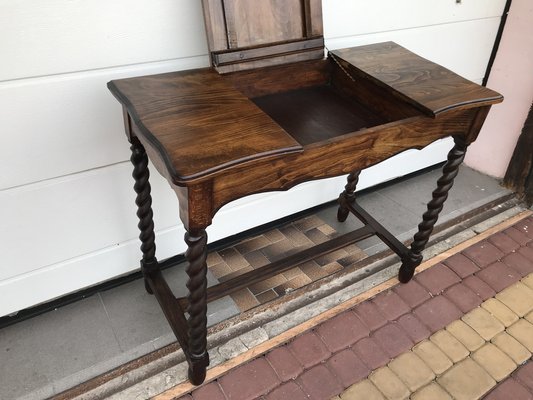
(370, 315)
(452, 347)
(500, 311)
(437, 278)
(463, 297)
(483, 253)
(391, 305)
(528, 281)
(479, 287)
(364, 390)
(498, 276)
(525, 375)
(434, 357)
(319, 383)
(415, 329)
(412, 293)
(527, 252)
(466, 335)
(252, 244)
(309, 350)
(289, 390)
(392, 339)
(519, 263)
(411, 370)
(461, 265)
(523, 332)
(342, 330)
(348, 367)
(484, 323)
(249, 381)
(437, 313)
(431, 392)
(389, 384)
(466, 380)
(498, 364)
(509, 389)
(510, 346)
(211, 391)
(517, 236)
(529, 317)
(371, 353)
(519, 298)
(503, 242)
(284, 364)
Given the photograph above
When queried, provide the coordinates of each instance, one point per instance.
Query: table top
(199, 123)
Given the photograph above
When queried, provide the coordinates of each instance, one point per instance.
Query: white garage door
(67, 206)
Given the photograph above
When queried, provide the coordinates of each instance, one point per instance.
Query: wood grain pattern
(199, 123)
(428, 86)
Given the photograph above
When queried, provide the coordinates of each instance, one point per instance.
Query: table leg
(196, 255)
(139, 159)
(347, 196)
(414, 257)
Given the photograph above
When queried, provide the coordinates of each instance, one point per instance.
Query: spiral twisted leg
(139, 159)
(414, 257)
(196, 255)
(347, 196)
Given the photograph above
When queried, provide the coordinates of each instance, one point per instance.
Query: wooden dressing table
(271, 113)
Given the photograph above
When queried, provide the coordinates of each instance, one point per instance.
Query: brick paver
(453, 332)
(466, 380)
(466, 335)
(500, 311)
(342, 331)
(510, 389)
(498, 364)
(437, 278)
(389, 384)
(411, 370)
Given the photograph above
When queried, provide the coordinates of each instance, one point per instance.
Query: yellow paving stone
(500, 311)
(433, 356)
(364, 390)
(523, 332)
(528, 281)
(389, 384)
(498, 364)
(529, 317)
(335, 398)
(431, 392)
(466, 335)
(449, 345)
(519, 298)
(510, 346)
(466, 380)
(483, 323)
(411, 370)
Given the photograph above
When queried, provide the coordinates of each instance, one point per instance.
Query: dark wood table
(218, 134)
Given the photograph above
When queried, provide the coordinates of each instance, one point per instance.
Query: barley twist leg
(141, 174)
(414, 257)
(347, 196)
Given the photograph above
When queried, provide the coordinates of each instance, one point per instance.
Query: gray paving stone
(54, 345)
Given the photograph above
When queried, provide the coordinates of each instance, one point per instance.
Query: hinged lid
(246, 34)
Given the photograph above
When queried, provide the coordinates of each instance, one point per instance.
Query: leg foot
(197, 369)
(347, 196)
(409, 264)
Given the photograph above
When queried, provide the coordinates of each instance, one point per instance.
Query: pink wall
(512, 76)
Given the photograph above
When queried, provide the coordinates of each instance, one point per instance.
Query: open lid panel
(246, 34)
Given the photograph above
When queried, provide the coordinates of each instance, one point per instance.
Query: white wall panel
(42, 37)
(66, 203)
(67, 123)
(361, 17)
